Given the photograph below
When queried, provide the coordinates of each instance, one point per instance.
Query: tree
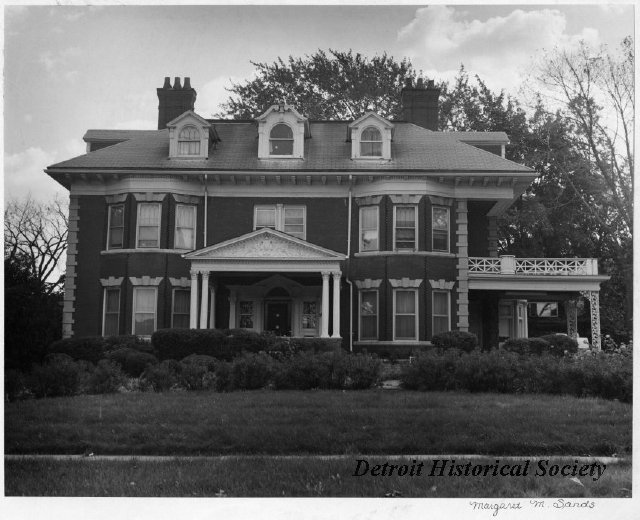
(35, 241)
(333, 85)
(35, 238)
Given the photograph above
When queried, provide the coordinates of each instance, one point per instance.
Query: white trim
(415, 221)
(149, 196)
(195, 225)
(142, 250)
(109, 208)
(441, 284)
(279, 211)
(173, 302)
(368, 283)
(133, 305)
(448, 209)
(405, 283)
(377, 210)
(400, 253)
(104, 307)
(112, 281)
(377, 292)
(433, 307)
(415, 315)
(180, 282)
(139, 206)
(535, 283)
(145, 281)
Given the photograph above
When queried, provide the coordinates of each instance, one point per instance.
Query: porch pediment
(265, 245)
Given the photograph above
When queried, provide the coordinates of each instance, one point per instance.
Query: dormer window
(189, 141)
(281, 140)
(371, 142)
(371, 137)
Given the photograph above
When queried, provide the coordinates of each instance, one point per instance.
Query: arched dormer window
(371, 142)
(281, 140)
(189, 141)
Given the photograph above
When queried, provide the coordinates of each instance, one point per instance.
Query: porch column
(462, 233)
(571, 308)
(232, 310)
(212, 312)
(336, 304)
(594, 304)
(204, 302)
(193, 309)
(325, 304)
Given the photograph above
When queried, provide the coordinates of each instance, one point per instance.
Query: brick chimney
(420, 103)
(173, 101)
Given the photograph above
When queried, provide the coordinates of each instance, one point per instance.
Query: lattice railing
(534, 266)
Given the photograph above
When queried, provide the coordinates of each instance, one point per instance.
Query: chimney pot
(187, 82)
(167, 82)
(175, 101)
(420, 83)
(176, 83)
(430, 84)
(408, 83)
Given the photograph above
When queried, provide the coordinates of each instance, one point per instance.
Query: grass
(318, 422)
(262, 477)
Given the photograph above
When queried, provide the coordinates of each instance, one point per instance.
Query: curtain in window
(181, 307)
(405, 315)
(145, 311)
(148, 225)
(116, 226)
(405, 227)
(111, 312)
(281, 140)
(370, 142)
(266, 217)
(368, 315)
(369, 228)
(440, 312)
(189, 141)
(440, 226)
(185, 227)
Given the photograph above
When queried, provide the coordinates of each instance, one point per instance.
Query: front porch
(505, 293)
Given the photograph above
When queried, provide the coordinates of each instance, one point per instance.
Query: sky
(68, 69)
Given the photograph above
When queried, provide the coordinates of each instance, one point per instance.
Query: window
(441, 306)
(289, 219)
(310, 316)
(181, 309)
(144, 310)
(405, 324)
(185, 237)
(148, 225)
(111, 306)
(281, 140)
(440, 228)
(116, 227)
(246, 315)
(369, 228)
(368, 315)
(189, 141)
(405, 227)
(543, 310)
(371, 142)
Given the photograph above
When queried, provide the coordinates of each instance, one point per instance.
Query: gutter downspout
(348, 271)
(206, 196)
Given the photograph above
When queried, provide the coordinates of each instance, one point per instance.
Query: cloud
(498, 49)
(136, 124)
(212, 93)
(24, 175)
(55, 61)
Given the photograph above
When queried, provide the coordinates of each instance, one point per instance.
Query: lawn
(267, 477)
(319, 422)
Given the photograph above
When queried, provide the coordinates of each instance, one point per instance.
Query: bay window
(440, 229)
(405, 323)
(369, 228)
(148, 229)
(111, 312)
(144, 310)
(441, 319)
(405, 224)
(368, 315)
(115, 239)
(185, 235)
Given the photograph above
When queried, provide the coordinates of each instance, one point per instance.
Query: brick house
(379, 232)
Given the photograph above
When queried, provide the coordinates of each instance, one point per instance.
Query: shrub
(527, 345)
(455, 339)
(163, 376)
(203, 360)
(180, 343)
(241, 340)
(58, 376)
(195, 372)
(90, 348)
(129, 341)
(362, 371)
(107, 378)
(304, 371)
(561, 343)
(251, 371)
(15, 385)
(133, 362)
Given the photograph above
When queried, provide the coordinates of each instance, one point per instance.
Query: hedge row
(62, 376)
(555, 344)
(603, 375)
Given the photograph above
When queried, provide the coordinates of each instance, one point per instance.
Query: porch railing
(508, 264)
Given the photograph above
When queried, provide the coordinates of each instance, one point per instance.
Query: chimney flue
(174, 101)
(420, 104)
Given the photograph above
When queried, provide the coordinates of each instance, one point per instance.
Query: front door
(278, 320)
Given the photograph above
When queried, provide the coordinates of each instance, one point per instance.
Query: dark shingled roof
(413, 148)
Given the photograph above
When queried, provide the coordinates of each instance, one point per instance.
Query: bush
(58, 376)
(15, 385)
(527, 345)
(90, 348)
(251, 371)
(362, 371)
(107, 378)
(208, 362)
(241, 340)
(163, 376)
(561, 343)
(133, 362)
(180, 343)
(455, 339)
(304, 371)
(129, 341)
